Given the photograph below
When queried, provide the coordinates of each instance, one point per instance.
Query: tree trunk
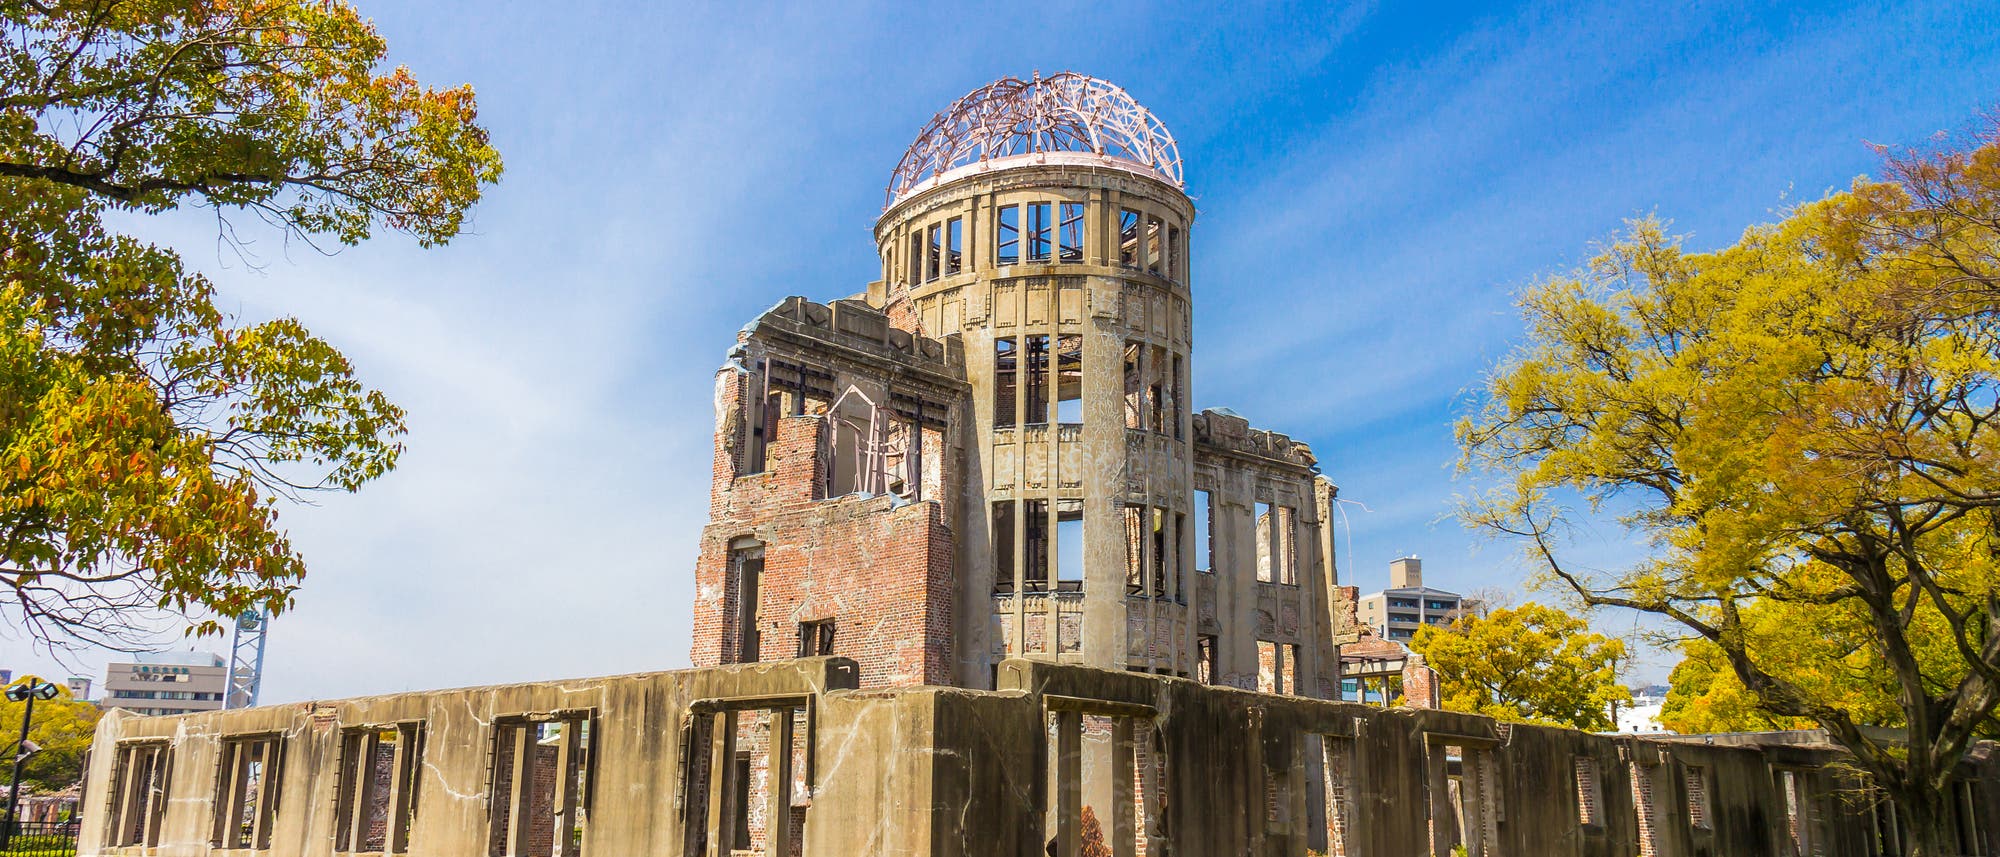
(1926, 824)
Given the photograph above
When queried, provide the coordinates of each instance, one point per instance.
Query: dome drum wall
(1068, 285)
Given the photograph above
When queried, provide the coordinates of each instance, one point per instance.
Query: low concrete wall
(1057, 757)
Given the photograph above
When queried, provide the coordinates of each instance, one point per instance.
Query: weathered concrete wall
(1158, 766)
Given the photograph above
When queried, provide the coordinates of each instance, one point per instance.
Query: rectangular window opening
(1041, 232)
(1128, 238)
(1696, 781)
(1006, 371)
(1007, 236)
(1589, 797)
(1069, 548)
(954, 245)
(1035, 572)
(1135, 549)
(1284, 544)
(139, 777)
(376, 802)
(1265, 569)
(1003, 546)
(1269, 677)
(1176, 260)
(1204, 518)
(934, 252)
(1069, 238)
(746, 571)
(1207, 670)
(1135, 411)
(1160, 538)
(1069, 379)
(246, 792)
(816, 639)
(541, 786)
(1155, 259)
(1037, 380)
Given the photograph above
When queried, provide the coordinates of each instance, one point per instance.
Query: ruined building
(978, 581)
(990, 452)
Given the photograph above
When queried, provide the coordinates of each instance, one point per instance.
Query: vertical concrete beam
(778, 765)
(1069, 784)
(1124, 827)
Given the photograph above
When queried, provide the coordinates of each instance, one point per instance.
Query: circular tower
(1044, 222)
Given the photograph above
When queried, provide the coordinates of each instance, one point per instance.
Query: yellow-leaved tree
(145, 435)
(1805, 426)
(1527, 664)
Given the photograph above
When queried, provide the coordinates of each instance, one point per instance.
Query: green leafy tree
(146, 437)
(62, 728)
(1806, 428)
(1528, 664)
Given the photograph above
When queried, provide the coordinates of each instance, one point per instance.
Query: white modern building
(167, 683)
(1397, 612)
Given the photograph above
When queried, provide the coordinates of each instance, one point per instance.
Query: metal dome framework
(1067, 112)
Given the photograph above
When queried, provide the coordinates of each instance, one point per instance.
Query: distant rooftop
(179, 659)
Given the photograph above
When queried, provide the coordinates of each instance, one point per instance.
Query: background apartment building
(1397, 612)
(166, 683)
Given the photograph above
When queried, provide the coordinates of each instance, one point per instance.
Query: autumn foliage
(146, 437)
(1804, 427)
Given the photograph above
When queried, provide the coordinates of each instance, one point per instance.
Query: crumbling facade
(990, 453)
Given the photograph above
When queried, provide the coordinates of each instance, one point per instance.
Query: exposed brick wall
(1420, 684)
(881, 571)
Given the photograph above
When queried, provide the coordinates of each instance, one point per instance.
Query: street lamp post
(27, 690)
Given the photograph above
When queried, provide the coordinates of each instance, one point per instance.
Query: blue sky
(1374, 183)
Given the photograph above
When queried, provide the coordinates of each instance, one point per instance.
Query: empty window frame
(541, 785)
(1156, 387)
(933, 251)
(246, 791)
(746, 572)
(1003, 546)
(1696, 781)
(1266, 571)
(376, 800)
(1179, 570)
(1069, 379)
(139, 777)
(1270, 667)
(1069, 233)
(745, 780)
(1035, 552)
(1069, 544)
(1128, 238)
(1204, 518)
(1036, 383)
(1006, 376)
(1135, 409)
(1041, 232)
(1276, 548)
(1160, 555)
(1007, 236)
(1176, 256)
(816, 638)
(954, 245)
(1135, 549)
(1155, 235)
(1589, 795)
(1207, 669)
